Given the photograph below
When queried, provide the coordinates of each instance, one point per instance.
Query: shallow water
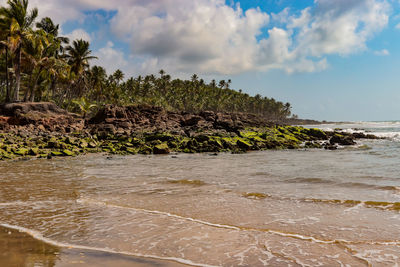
(276, 208)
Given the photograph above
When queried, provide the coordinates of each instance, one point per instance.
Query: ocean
(307, 207)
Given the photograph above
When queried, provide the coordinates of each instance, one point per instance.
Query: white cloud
(209, 36)
(383, 52)
(341, 26)
(110, 58)
(79, 34)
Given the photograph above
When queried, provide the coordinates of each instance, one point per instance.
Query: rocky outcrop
(46, 131)
(38, 117)
(342, 140)
(146, 118)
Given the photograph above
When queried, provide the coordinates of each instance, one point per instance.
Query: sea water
(307, 207)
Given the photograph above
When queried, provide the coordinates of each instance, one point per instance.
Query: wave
(243, 228)
(370, 186)
(310, 180)
(37, 235)
(381, 205)
(313, 180)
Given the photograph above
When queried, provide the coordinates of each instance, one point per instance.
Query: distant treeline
(36, 64)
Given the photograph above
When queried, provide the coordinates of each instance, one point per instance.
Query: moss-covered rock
(21, 152)
(161, 149)
(131, 150)
(33, 151)
(315, 133)
(68, 153)
(83, 144)
(145, 150)
(244, 145)
(56, 154)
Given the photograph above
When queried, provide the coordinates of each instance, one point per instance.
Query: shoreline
(21, 248)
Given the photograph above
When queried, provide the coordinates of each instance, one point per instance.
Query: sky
(336, 60)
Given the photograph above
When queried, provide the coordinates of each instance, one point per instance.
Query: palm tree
(98, 76)
(118, 76)
(49, 27)
(40, 53)
(79, 56)
(84, 105)
(19, 23)
(5, 47)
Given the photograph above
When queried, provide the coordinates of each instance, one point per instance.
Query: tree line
(37, 64)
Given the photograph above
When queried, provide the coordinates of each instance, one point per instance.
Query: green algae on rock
(14, 145)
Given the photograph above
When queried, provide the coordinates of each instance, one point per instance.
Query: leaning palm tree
(18, 22)
(79, 56)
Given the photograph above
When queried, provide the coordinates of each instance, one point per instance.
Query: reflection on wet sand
(20, 249)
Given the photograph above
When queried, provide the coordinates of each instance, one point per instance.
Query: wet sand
(18, 249)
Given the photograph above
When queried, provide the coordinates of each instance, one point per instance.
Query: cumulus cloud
(110, 58)
(341, 26)
(209, 36)
(79, 34)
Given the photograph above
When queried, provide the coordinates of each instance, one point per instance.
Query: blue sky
(332, 60)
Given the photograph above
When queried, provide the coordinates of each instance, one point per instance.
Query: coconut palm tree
(98, 76)
(18, 22)
(40, 54)
(5, 49)
(79, 55)
(118, 76)
(49, 27)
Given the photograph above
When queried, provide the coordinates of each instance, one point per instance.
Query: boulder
(243, 144)
(342, 140)
(161, 149)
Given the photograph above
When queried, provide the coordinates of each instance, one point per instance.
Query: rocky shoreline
(43, 130)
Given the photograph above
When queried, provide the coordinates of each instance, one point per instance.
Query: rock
(33, 151)
(70, 140)
(145, 150)
(243, 144)
(316, 133)
(360, 135)
(56, 154)
(191, 120)
(161, 149)
(68, 153)
(92, 144)
(21, 152)
(330, 147)
(342, 140)
(41, 128)
(83, 144)
(131, 150)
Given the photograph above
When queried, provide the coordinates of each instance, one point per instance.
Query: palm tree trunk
(32, 96)
(17, 74)
(53, 86)
(8, 93)
(27, 91)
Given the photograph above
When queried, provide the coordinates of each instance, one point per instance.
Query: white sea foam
(37, 235)
(231, 227)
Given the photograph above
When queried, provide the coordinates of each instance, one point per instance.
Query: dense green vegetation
(36, 64)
